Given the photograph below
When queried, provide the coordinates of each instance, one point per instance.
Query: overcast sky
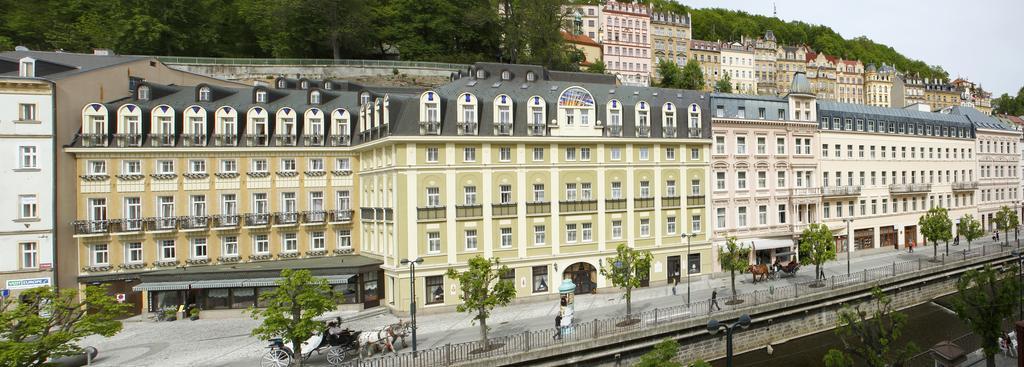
(980, 40)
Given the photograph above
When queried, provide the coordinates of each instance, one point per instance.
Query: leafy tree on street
(984, 299)
(483, 290)
(1006, 219)
(597, 67)
(292, 307)
(936, 226)
(45, 322)
(817, 246)
(626, 270)
(662, 355)
(724, 85)
(692, 77)
(671, 75)
(869, 336)
(970, 228)
(733, 257)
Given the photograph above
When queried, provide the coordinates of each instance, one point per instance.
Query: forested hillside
(426, 30)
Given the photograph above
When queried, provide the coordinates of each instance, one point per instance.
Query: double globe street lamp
(714, 326)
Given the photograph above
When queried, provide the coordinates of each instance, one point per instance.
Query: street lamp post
(714, 326)
(849, 243)
(688, 236)
(412, 296)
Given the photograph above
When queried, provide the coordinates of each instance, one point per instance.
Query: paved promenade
(227, 342)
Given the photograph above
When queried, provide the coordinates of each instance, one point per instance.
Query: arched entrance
(583, 275)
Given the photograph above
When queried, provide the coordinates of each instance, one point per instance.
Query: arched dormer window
(531, 76)
(204, 94)
(643, 119)
(314, 97)
(614, 111)
(341, 128)
(503, 113)
(328, 85)
(287, 127)
(94, 125)
(226, 130)
(143, 93)
(282, 84)
(313, 134)
(467, 117)
(304, 84)
(261, 96)
(575, 108)
(537, 109)
(430, 113)
(668, 120)
(27, 67)
(364, 98)
(162, 120)
(481, 74)
(694, 124)
(506, 75)
(257, 128)
(195, 126)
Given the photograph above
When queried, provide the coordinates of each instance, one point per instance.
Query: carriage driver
(334, 327)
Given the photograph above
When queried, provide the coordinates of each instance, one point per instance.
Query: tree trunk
(483, 333)
(733, 276)
(629, 305)
(1006, 237)
(935, 250)
(990, 360)
(296, 344)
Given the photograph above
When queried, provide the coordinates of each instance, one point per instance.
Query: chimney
(103, 52)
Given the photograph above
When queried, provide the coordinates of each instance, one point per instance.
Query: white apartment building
(738, 63)
(998, 163)
(627, 48)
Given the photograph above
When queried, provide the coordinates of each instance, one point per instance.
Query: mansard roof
(981, 120)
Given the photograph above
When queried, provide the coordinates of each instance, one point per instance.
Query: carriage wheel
(276, 358)
(335, 356)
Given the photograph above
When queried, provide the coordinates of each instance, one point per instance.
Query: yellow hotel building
(199, 194)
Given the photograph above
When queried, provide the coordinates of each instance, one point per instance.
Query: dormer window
(281, 84)
(694, 121)
(430, 113)
(668, 117)
(506, 75)
(364, 98)
(468, 115)
(314, 97)
(204, 94)
(481, 74)
(304, 84)
(261, 96)
(27, 68)
(143, 93)
(575, 106)
(328, 85)
(530, 76)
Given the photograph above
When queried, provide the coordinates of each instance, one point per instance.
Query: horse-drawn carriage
(777, 270)
(338, 344)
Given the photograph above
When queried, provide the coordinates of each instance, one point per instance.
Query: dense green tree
(598, 67)
(663, 355)
(970, 228)
(724, 85)
(671, 75)
(733, 257)
(817, 246)
(692, 77)
(985, 298)
(1005, 220)
(869, 336)
(1009, 105)
(483, 290)
(292, 307)
(626, 270)
(936, 226)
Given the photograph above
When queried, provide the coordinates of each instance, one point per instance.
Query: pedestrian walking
(910, 246)
(558, 327)
(674, 286)
(714, 300)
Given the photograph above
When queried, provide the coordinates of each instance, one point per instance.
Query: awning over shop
(230, 283)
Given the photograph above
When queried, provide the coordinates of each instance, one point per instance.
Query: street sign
(45, 266)
(28, 283)
(5, 293)
(120, 297)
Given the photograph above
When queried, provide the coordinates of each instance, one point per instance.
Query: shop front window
(370, 284)
(243, 297)
(166, 299)
(348, 292)
(218, 298)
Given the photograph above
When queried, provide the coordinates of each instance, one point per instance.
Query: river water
(928, 324)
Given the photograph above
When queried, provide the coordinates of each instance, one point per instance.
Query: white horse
(399, 331)
(369, 340)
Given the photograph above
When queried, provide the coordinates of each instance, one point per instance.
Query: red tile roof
(579, 39)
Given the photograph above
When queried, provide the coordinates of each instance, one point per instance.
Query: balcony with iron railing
(285, 140)
(643, 203)
(837, 191)
(431, 213)
(126, 225)
(195, 222)
(965, 186)
(314, 216)
(538, 207)
(694, 132)
(256, 140)
(286, 218)
(668, 131)
(805, 191)
(614, 204)
(430, 127)
(468, 128)
(503, 129)
(225, 140)
(613, 131)
(643, 131)
(671, 201)
(469, 211)
(91, 227)
(193, 140)
(257, 219)
(535, 129)
(165, 223)
(161, 140)
(503, 209)
(341, 216)
(914, 188)
(128, 140)
(577, 206)
(94, 140)
(313, 140)
(340, 140)
(226, 221)
(694, 201)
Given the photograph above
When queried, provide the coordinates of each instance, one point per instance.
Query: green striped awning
(161, 286)
(229, 283)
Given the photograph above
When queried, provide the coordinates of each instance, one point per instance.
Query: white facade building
(738, 63)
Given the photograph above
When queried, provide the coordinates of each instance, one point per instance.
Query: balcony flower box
(94, 178)
(132, 266)
(316, 253)
(131, 177)
(288, 255)
(197, 261)
(343, 251)
(164, 176)
(258, 174)
(226, 175)
(197, 176)
(229, 259)
(315, 173)
(287, 173)
(261, 257)
(94, 269)
(166, 263)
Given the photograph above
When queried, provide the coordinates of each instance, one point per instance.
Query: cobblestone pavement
(226, 342)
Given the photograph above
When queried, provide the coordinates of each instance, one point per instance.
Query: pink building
(627, 49)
